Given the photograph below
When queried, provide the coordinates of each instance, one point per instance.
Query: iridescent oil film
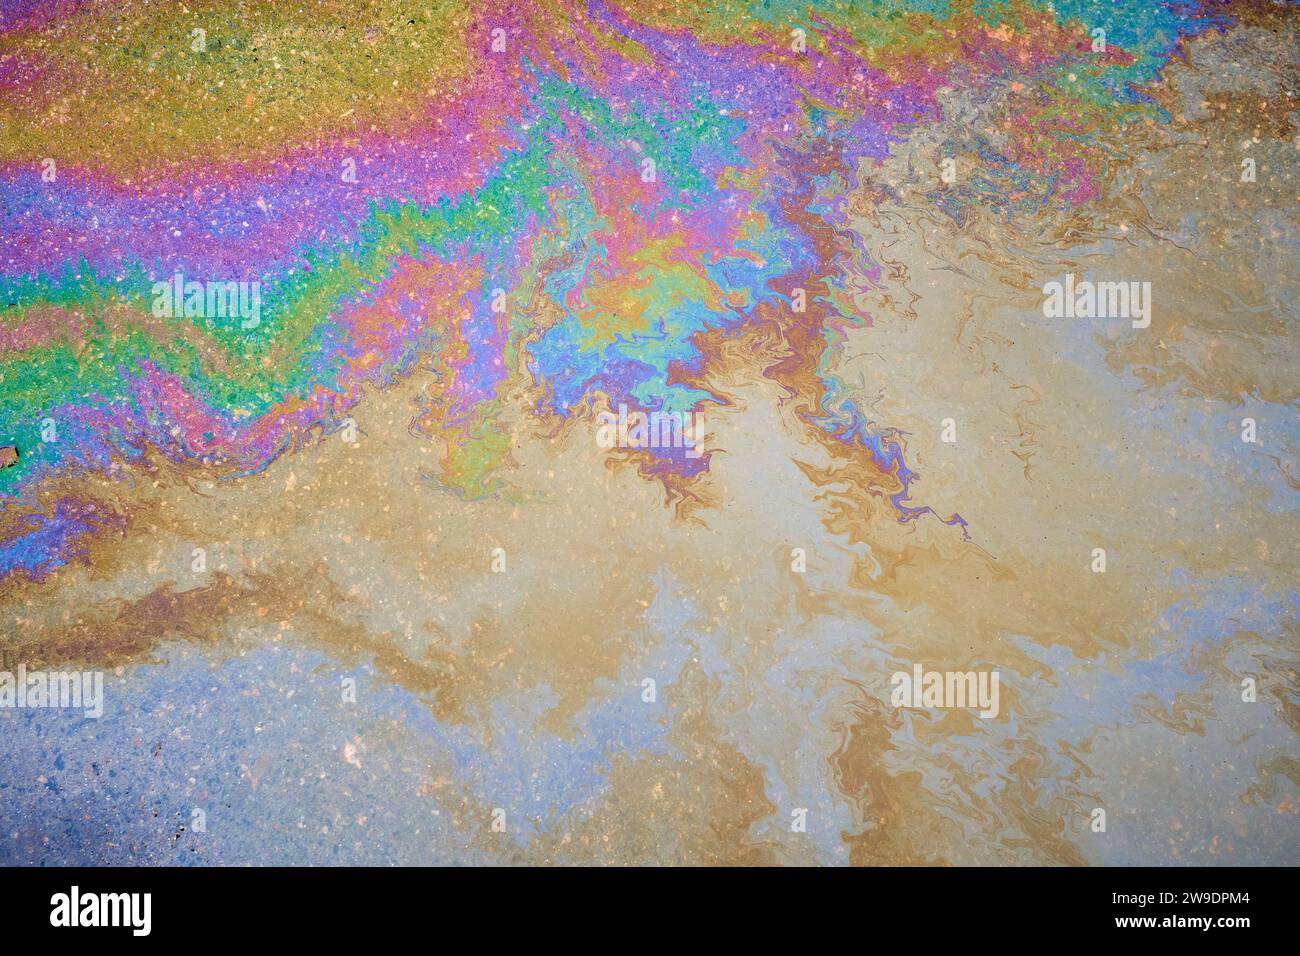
(649, 432)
